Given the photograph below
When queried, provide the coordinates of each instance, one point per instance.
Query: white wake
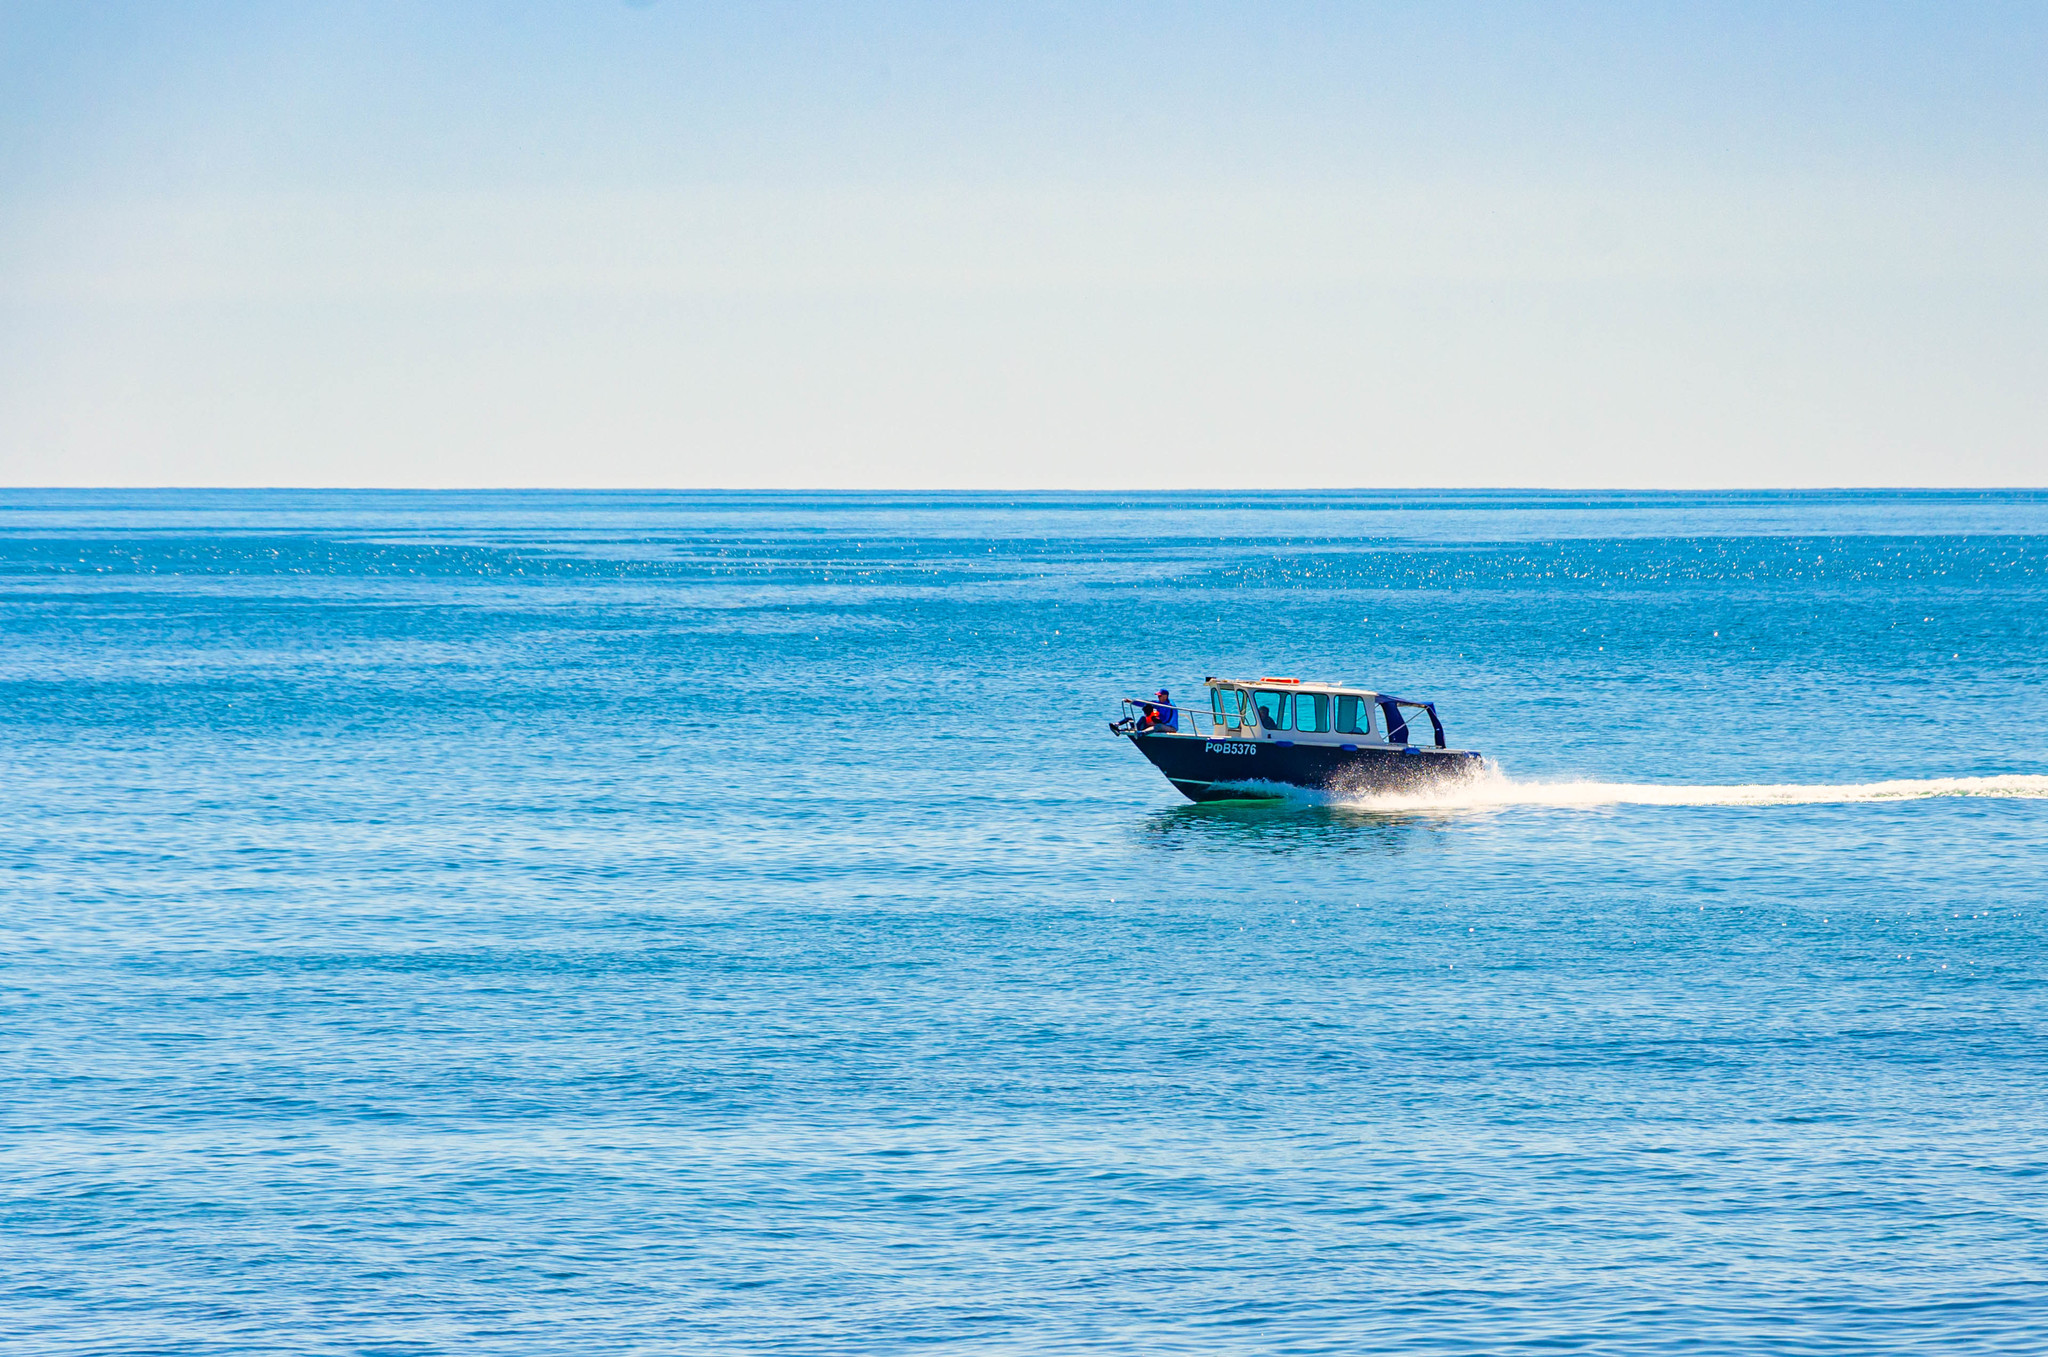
(1492, 789)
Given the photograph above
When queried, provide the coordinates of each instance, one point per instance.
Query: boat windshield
(1232, 707)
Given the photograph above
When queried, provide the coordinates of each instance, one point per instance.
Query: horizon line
(1038, 490)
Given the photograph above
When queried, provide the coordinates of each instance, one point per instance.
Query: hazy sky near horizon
(1063, 245)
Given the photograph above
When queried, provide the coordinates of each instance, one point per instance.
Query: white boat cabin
(1288, 711)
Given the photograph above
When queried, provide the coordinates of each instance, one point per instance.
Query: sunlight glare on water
(722, 923)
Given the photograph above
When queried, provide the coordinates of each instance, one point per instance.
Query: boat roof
(1308, 686)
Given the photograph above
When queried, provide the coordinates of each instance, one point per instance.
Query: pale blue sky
(1062, 245)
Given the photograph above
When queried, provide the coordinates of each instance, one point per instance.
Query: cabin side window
(1275, 711)
(1312, 711)
(1354, 715)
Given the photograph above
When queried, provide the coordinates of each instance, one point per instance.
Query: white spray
(1492, 789)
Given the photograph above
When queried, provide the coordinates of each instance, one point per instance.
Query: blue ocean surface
(723, 923)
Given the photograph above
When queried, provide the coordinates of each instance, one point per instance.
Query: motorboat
(1258, 737)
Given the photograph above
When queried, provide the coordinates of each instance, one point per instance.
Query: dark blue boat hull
(1232, 770)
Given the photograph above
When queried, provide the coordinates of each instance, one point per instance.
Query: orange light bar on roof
(1279, 680)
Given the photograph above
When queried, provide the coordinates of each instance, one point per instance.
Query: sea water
(723, 923)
